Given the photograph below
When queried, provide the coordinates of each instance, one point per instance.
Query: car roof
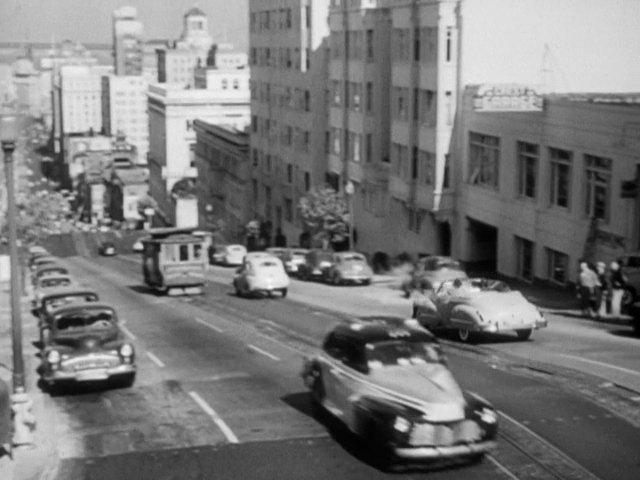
(67, 290)
(49, 266)
(72, 307)
(58, 276)
(381, 330)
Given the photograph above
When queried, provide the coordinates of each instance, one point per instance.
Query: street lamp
(349, 190)
(8, 136)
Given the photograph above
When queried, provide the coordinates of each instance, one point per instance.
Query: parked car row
(80, 339)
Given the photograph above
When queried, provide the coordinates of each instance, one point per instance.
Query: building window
(224, 84)
(414, 164)
(449, 46)
(414, 217)
(307, 181)
(288, 210)
(369, 97)
(289, 173)
(528, 154)
(557, 266)
(416, 45)
(560, 177)
(368, 147)
(369, 42)
(236, 84)
(427, 160)
(189, 125)
(597, 186)
(484, 159)
(336, 88)
(524, 257)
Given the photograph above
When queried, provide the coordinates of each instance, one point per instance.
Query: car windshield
(58, 301)
(448, 264)
(401, 353)
(475, 285)
(97, 320)
(54, 282)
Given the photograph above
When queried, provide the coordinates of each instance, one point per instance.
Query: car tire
(524, 334)
(366, 282)
(283, 292)
(465, 335)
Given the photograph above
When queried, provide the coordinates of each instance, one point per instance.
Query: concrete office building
(288, 59)
(172, 111)
(124, 111)
(396, 75)
(224, 179)
(127, 41)
(177, 63)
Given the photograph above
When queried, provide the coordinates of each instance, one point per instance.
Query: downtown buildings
(391, 108)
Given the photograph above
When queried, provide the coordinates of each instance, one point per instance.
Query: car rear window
(268, 264)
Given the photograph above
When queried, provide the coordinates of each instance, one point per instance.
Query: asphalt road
(219, 396)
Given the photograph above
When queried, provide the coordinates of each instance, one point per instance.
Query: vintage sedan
(57, 280)
(87, 345)
(261, 273)
(349, 267)
(316, 263)
(429, 272)
(389, 383)
(47, 271)
(40, 260)
(471, 305)
(292, 258)
(229, 255)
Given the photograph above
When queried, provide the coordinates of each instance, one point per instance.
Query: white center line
(127, 332)
(263, 352)
(155, 359)
(228, 433)
(207, 324)
(602, 364)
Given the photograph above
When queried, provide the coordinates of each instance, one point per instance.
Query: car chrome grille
(86, 363)
(466, 431)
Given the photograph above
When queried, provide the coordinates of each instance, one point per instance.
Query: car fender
(374, 416)
(464, 316)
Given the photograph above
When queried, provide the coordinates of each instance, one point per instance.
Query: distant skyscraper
(127, 41)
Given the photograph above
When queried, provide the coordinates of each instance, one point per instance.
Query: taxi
(388, 382)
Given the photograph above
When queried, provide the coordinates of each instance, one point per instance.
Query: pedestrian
(587, 284)
(618, 284)
(604, 290)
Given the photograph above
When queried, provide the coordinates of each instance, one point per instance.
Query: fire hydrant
(24, 422)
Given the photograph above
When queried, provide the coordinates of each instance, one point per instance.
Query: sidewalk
(36, 461)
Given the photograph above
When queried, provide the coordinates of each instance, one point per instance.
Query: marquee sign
(507, 98)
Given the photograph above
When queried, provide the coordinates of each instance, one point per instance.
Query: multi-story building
(288, 57)
(224, 179)
(127, 41)
(396, 75)
(172, 111)
(124, 110)
(27, 86)
(177, 63)
(226, 69)
(545, 187)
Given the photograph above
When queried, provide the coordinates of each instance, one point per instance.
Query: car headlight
(402, 425)
(488, 416)
(126, 350)
(53, 356)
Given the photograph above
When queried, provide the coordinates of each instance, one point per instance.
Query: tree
(325, 213)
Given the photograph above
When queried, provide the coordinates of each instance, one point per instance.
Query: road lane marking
(224, 428)
(263, 352)
(128, 332)
(155, 359)
(282, 344)
(209, 325)
(502, 468)
(602, 364)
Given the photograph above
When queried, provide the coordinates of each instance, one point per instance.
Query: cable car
(174, 261)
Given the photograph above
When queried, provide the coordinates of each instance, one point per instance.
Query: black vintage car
(47, 270)
(316, 264)
(87, 345)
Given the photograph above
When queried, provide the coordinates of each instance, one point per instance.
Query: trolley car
(174, 261)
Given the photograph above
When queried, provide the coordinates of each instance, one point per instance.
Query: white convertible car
(469, 305)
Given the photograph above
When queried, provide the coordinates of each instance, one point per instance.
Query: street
(219, 393)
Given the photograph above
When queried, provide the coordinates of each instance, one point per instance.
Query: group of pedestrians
(601, 289)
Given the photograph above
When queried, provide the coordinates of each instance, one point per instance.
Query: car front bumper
(89, 375)
(451, 451)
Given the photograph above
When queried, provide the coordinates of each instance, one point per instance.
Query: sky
(90, 20)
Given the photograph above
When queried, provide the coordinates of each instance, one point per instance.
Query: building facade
(288, 55)
(172, 138)
(546, 187)
(124, 110)
(127, 41)
(224, 179)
